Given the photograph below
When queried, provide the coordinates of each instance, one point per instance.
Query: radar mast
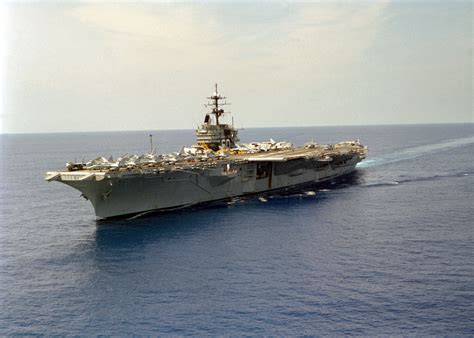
(216, 105)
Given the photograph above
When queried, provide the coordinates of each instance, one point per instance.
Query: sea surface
(388, 251)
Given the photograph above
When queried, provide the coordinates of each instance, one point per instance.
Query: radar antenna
(151, 143)
(215, 104)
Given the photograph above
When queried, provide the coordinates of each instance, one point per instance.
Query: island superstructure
(216, 168)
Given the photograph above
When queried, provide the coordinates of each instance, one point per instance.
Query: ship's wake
(403, 180)
(414, 152)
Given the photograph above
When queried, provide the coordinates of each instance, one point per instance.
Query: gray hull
(125, 193)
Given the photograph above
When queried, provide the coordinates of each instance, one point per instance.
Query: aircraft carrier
(216, 168)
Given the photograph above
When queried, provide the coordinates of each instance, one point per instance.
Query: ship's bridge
(213, 134)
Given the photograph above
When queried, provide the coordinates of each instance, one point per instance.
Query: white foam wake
(414, 152)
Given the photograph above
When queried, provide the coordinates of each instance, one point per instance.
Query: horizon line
(243, 128)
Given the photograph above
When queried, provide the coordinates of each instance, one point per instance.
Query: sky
(90, 66)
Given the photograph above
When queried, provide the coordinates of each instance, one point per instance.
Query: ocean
(389, 251)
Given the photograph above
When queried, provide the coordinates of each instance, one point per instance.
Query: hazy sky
(80, 66)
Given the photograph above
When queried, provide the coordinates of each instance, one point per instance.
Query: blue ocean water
(390, 251)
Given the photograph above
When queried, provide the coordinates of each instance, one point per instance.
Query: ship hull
(126, 194)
